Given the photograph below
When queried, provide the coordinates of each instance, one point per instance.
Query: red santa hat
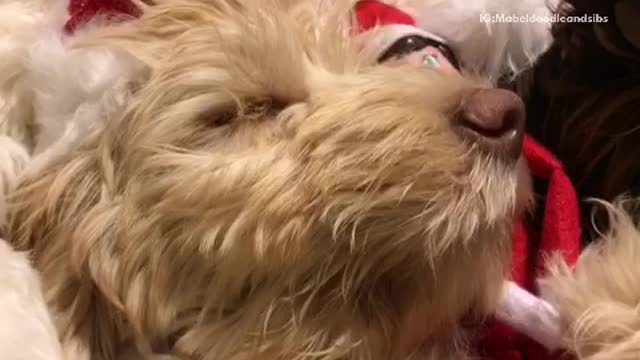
(83, 11)
(381, 24)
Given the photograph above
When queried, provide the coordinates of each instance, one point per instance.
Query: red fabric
(371, 13)
(560, 230)
(81, 11)
(561, 226)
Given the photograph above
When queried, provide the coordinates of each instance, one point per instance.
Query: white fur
(71, 105)
(531, 316)
(22, 23)
(26, 329)
(13, 159)
(52, 97)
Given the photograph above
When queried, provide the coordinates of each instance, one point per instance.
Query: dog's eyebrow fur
(153, 38)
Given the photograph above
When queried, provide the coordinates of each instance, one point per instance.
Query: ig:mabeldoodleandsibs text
(555, 18)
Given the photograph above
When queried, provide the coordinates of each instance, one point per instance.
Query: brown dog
(270, 194)
(583, 97)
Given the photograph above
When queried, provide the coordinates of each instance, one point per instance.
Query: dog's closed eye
(250, 109)
(220, 119)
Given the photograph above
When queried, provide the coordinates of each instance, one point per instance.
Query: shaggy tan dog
(268, 193)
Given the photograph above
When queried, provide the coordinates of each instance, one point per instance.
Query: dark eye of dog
(408, 44)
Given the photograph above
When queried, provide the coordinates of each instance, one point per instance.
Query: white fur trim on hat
(492, 49)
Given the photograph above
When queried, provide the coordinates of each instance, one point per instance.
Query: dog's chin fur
(264, 194)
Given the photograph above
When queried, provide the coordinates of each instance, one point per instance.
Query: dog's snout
(494, 119)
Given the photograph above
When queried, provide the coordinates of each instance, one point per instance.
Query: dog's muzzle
(494, 120)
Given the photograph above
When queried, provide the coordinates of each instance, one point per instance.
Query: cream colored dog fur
(259, 190)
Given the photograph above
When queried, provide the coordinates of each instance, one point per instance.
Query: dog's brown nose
(494, 119)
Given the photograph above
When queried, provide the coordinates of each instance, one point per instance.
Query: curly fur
(267, 195)
(600, 299)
